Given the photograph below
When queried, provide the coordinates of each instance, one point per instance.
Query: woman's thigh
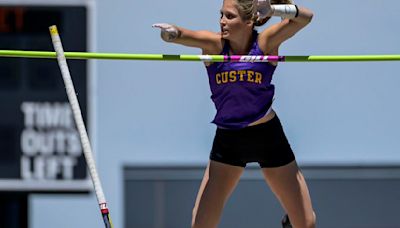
(218, 183)
(289, 186)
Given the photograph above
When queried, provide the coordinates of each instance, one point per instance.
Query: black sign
(40, 148)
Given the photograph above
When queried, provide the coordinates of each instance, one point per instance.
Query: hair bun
(261, 22)
(282, 2)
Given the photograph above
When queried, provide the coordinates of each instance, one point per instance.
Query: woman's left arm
(272, 37)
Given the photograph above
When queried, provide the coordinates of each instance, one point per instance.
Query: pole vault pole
(87, 149)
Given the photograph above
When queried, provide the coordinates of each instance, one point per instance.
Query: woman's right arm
(209, 42)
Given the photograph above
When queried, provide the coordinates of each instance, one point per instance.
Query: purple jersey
(241, 91)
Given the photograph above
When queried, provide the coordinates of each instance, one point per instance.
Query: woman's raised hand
(264, 9)
(168, 32)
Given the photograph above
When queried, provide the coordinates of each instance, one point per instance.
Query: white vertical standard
(73, 100)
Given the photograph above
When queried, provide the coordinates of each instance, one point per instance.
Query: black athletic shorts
(264, 143)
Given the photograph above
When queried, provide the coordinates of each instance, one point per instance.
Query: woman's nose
(222, 21)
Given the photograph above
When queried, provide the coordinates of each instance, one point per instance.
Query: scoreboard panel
(40, 149)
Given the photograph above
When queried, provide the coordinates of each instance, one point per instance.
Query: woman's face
(231, 23)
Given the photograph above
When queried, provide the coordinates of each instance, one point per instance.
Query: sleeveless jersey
(241, 91)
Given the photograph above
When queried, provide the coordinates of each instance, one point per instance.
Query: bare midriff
(264, 119)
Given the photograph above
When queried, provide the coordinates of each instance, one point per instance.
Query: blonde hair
(248, 9)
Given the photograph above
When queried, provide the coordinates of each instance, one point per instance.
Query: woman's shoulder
(216, 43)
(220, 47)
(263, 41)
(262, 47)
